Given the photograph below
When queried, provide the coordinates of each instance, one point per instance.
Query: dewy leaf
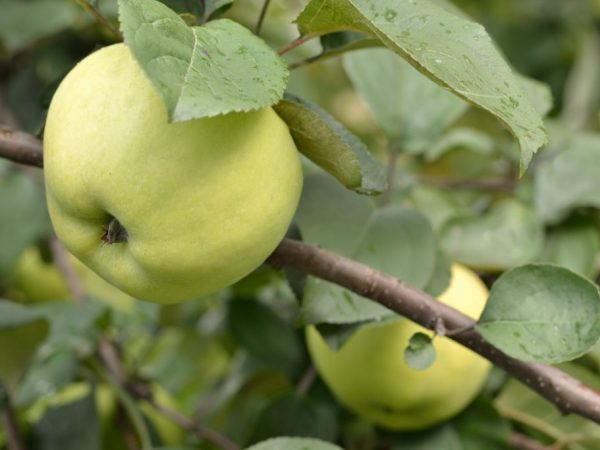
(507, 236)
(570, 180)
(420, 352)
(217, 68)
(453, 51)
(287, 443)
(397, 240)
(543, 314)
(327, 143)
(411, 109)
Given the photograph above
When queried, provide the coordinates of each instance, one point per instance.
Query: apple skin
(203, 202)
(370, 377)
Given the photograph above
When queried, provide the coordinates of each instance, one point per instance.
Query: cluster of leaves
(429, 93)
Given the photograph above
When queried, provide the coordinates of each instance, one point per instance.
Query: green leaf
(27, 220)
(480, 426)
(420, 352)
(439, 206)
(396, 240)
(574, 245)
(570, 180)
(50, 374)
(467, 138)
(218, 68)
(440, 279)
(285, 443)
(539, 94)
(297, 415)
(23, 23)
(327, 143)
(506, 236)
(453, 51)
(21, 333)
(410, 108)
(73, 426)
(73, 327)
(443, 437)
(216, 7)
(543, 314)
(523, 405)
(265, 335)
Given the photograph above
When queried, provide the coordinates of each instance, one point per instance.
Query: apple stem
(114, 232)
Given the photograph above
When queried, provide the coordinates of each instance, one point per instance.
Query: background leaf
(410, 108)
(284, 443)
(327, 143)
(395, 239)
(506, 236)
(519, 403)
(543, 314)
(218, 68)
(451, 50)
(21, 333)
(570, 180)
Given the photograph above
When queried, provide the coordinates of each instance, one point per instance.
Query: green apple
(164, 211)
(370, 376)
(35, 280)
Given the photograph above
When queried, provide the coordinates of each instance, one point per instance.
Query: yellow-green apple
(370, 376)
(165, 211)
(34, 279)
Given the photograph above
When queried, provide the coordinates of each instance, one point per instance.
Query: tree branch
(22, 148)
(567, 393)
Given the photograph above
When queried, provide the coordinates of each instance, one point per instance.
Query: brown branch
(22, 148)
(307, 380)
(567, 393)
(519, 441)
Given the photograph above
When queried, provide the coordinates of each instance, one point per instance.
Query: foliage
(437, 119)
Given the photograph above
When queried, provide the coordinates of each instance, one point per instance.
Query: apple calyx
(114, 232)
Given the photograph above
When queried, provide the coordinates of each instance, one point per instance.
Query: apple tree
(299, 224)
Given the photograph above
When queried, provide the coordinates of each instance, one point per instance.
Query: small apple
(36, 280)
(166, 212)
(370, 376)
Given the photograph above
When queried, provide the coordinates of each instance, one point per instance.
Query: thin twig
(61, 258)
(502, 185)
(307, 380)
(305, 62)
(200, 430)
(85, 4)
(295, 43)
(261, 17)
(567, 393)
(8, 420)
(386, 197)
(519, 441)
